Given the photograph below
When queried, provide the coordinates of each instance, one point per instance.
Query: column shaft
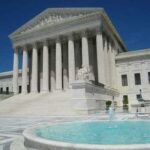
(114, 74)
(100, 58)
(109, 63)
(106, 62)
(78, 57)
(58, 65)
(85, 51)
(45, 67)
(34, 82)
(52, 72)
(15, 72)
(24, 71)
(71, 60)
(65, 66)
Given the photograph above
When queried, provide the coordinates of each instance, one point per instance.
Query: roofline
(8, 73)
(100, 9)
(113, 28)
(135, 53)
(38, 16)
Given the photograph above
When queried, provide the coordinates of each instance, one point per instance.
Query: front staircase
(43, 104)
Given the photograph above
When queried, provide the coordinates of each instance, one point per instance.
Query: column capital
(34, 45)
(45, 42)
(24, 47)
(98, 30)
(84, 33)
(16, 49)
(58, 39)
(70, 36)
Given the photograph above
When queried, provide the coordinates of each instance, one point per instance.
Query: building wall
(7, 81)
(130, 67)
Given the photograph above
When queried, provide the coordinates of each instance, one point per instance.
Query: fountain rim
(29, 135)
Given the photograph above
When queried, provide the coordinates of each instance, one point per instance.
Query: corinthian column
(24, 71)
(53, 68)
(106, 61)
(45, 67)
(114, 83)
(100, 57)
(85, 50)
(34, 81)
(110, 63)
(71, 59)
(15, 71)
(58, 65)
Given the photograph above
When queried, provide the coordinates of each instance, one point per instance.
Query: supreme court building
(60, 43)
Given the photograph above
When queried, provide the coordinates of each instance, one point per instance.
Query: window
(1, 90)
(125, 99)
(138, 96)
(124, 80)
(137, 79)
(20, 89)
(7, 90)
(149, 77)
(125, 103)
(28, 88)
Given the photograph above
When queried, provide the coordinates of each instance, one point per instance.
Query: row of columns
(102, 63)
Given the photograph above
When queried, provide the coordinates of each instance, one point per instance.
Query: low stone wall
(89, 98)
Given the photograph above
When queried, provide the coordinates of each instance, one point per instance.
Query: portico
(59, 61)
(57, 45)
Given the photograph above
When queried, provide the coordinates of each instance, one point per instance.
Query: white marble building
(6, 82)
(57, 43)
(133, 75)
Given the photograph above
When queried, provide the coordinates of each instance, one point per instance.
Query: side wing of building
(133, 75)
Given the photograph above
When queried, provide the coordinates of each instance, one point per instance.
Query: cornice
(76, 25)
(73, 12)
(133, 56)
(8, 73)
(80, 16)
(113, 29)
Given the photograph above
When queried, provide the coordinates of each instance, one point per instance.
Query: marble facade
(57, 43)
(55, 58)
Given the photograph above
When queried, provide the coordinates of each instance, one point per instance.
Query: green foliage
(125, 101)
(108, 103)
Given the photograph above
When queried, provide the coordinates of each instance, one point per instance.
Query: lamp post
(113, 105)
(140, 94)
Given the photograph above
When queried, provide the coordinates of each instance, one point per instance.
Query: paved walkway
(11, 128)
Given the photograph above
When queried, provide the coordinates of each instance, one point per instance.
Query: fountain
(111, 113)
(90, 135)
(111, 110)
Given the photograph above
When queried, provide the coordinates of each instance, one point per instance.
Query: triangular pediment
(52, 16)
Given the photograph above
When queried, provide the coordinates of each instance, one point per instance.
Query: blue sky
(130, 17)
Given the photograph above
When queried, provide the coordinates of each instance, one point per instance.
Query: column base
(24, 93)
(44, 92)
(34, 92)
(16, 93)
(58, 90)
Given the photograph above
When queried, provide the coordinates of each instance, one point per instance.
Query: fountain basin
(91, 135)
